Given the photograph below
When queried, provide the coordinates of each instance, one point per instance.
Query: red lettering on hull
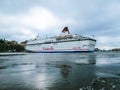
(48, 48)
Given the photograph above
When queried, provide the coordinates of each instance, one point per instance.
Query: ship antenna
(37, 36)
(66, 30)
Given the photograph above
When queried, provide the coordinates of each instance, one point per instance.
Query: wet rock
(103, 84)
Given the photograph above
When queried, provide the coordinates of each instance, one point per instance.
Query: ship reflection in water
(89, 60)
(65, 71)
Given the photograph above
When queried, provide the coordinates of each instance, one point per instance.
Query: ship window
(29, 45)
(84, 45)
(55, 43)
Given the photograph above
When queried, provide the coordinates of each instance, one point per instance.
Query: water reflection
(65, 70)
(61, 71)
(50, 71)
(88, 59)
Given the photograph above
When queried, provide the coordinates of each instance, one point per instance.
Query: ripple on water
(3, 67)
(82, 61)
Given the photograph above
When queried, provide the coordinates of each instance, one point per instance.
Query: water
(60, 71)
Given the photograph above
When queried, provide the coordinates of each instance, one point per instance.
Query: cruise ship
(64, 43)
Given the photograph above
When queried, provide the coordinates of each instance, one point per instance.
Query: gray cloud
(24, 19)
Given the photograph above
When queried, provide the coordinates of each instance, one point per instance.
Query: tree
(2, 41)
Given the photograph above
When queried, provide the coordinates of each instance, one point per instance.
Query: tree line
(11, 46)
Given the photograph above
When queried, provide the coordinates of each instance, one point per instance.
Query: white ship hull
(64, 43)
(73, 46)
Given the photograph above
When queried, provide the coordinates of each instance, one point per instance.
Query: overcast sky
(21, 20)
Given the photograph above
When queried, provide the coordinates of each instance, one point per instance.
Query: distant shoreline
(12, 53)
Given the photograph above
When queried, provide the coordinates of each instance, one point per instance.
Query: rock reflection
(65, 70)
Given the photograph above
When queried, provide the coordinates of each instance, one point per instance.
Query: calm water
(60, 71)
